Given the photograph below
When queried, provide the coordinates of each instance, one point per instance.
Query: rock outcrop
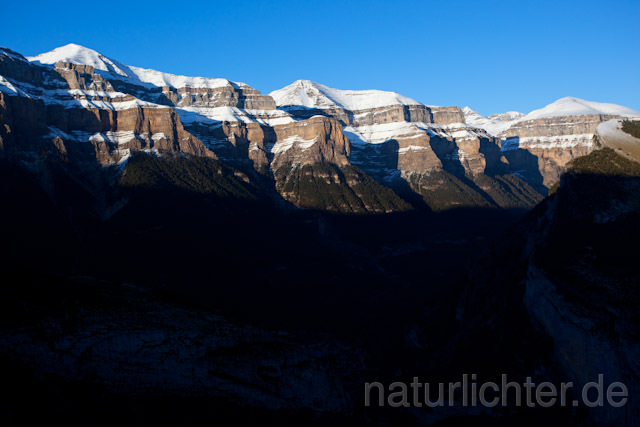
(77, 113)
(402, 142)
(552, 141)
(539, 145)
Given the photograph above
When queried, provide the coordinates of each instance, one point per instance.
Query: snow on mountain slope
(74, 98)
(493, 124)
(205, 108)
(509, 116)
(610, 134)
(205, 115)
(571, 106)
(315, 95)
(568, 106)
(77, 54)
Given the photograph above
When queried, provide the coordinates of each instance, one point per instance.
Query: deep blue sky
(493, 55)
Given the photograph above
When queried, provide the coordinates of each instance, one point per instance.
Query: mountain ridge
(401, 143)
(81, 55)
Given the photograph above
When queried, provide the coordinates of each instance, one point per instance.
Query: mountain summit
(80, 55)
(570, 106)
(76, 54)
(315, 95)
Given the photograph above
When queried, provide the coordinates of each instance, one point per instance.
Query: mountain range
(78, 103)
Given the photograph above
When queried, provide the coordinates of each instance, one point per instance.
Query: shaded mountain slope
(567, 275)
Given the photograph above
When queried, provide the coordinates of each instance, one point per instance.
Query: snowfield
(611, 135)
(76, 54)
(315, 95)
(571, 106)
(568, 106)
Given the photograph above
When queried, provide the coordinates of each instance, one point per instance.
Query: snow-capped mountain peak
(568, 106)
(315, 95)
(571, 106)
(76, 54)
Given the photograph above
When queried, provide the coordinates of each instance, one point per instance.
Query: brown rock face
(319, 139)
(469, 154)
(228, 96)
(382, 115)
(557, 126)
(447, 115)
(540, 149)
(82, 77)
(88, 125)
(409, 149)
(416, 154)
(109, 132)
(545, 165)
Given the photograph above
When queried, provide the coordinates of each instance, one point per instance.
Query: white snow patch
(76, 98)
(116, 138)
(7, 87)
(106, 105)
(288, 143)
(379, 133)
(205, 115)
(613, 129)
(463, 134)
(120, 137)
(404, 150)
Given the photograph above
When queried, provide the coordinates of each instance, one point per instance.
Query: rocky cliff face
(76, 113)
(84, 106)
(403, 143)
(539, 145)
(87, 108)
(552, 141)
